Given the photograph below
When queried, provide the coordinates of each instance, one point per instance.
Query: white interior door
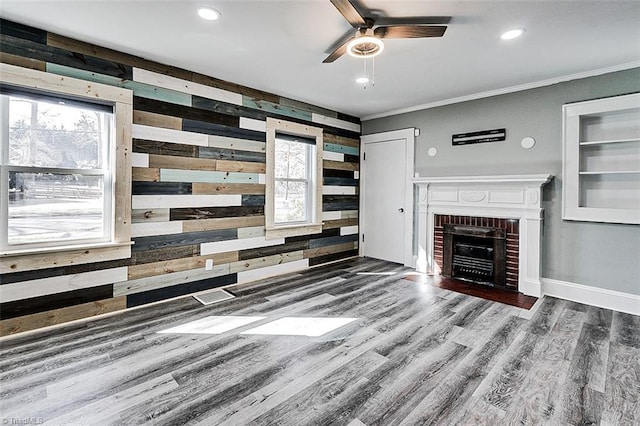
(386, 196)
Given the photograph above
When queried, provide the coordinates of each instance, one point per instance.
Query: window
(293, 204)
(63, 158)
(56, 170)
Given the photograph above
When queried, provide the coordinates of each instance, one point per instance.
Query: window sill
(52, 257)
(293, 230)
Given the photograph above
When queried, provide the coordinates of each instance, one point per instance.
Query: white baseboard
(603, 298)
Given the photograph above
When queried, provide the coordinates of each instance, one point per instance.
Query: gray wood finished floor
(416, 354)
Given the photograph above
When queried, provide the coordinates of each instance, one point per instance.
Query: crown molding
(505, 90)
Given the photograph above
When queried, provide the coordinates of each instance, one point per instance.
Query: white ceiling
(278, 45)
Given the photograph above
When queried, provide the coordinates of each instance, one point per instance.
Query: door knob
(401, 210)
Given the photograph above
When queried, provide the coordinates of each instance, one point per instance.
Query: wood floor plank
(538, 399)
(416, 354)
(622, 392)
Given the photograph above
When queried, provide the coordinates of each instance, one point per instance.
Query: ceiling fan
(371, 29)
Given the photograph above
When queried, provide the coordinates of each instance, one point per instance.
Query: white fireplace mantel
(502, 196)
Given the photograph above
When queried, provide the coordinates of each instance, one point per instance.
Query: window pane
(50, 134)
(46, 207)
(291, 159)
(290, 201)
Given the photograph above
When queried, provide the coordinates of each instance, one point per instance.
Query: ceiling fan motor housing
(365, 45)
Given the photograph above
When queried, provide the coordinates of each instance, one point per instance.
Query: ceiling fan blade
(408, 31)
(339, 51)
(350, 13)
(414, 20)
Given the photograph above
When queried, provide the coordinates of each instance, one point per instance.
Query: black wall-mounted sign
(494, 135)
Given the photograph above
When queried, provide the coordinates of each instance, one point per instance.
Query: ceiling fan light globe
(365, 47)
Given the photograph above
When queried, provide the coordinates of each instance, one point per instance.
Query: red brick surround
(510, 225)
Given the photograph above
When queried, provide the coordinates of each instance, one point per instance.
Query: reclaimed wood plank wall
(198, 187)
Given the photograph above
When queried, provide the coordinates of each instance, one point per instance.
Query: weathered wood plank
(236, 144)
(341, 140)
(163, 254)
(183, 111)
(59, 284)
(62, 315)
(339, 190)
(168, 279)
(159, 134)
(339, 223)
(251, 232)
(179, 162)
(183, 239)
(21, 61)
(272, 271)
(209, 128)
(41, 52)
(152, 119)
(164, 148)
(186, 86)
(177, 265)
(276, 109)
(206, 176)
(227, 188)
(178, 201)
(23, 31)
(232, 155)
(222, 223)
(340, 165)
(252, 253)
(343, 149)
(240, 166)
(323, 251)
(147, 229)
(41, 261)
(329, 241)
(335, 122)
(340, 181)
(50, 302)
(253, 200)
(339, 202)
(144, 174)
(240, 244)
(215, 212)
(261, 262)
(149, 215)
(160, 188)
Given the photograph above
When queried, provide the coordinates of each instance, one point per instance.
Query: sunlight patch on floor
(211, 325)
(300, 326)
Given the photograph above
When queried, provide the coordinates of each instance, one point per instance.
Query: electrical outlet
(209, 265)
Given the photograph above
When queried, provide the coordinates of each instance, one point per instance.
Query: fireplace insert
(475, 253)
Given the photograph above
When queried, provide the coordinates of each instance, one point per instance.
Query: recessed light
(362, 80)
(510, 35)
(208, 13)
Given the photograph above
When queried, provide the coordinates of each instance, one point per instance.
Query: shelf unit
(601, 161)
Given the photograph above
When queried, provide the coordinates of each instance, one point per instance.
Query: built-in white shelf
(631, 140)
(601, 162)
(612, 172)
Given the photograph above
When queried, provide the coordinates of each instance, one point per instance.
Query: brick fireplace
(478, 249)
(493, 224)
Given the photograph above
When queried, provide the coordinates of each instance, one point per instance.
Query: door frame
(409, 136)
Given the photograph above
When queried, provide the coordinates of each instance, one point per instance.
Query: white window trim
(120, 245)
(314, 225)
